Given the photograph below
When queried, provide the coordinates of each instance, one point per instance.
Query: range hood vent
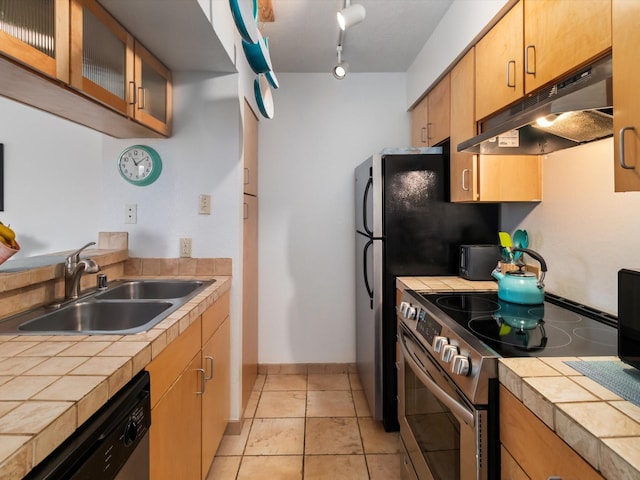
(577, 110)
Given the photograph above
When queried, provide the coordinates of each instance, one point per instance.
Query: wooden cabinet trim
(535, 447)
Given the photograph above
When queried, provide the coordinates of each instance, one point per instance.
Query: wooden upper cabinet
(439, 112)
(430, 122)
(110, 66)
(36, 34)
(250, 147)
(463, 127)
(508, 178)
(419, 120)
(560, 36)
(499, 64)
(626, 101)
(152, 101)
(101, 56)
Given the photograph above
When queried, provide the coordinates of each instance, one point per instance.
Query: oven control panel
(431, 330)
(463, 356)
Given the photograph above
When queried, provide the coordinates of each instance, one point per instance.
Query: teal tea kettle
(520, 286)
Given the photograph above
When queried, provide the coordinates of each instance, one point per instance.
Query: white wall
(584, 231)
(322, 129)
(201, 157)
(52, 182)
(464, 20)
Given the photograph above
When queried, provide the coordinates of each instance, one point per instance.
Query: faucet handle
(75, 256)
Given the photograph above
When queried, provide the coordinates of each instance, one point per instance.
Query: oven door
(445, 436)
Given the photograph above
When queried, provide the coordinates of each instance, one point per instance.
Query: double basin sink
(125, 307)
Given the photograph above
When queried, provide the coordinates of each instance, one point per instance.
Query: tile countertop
(51, 385)
(599, 425)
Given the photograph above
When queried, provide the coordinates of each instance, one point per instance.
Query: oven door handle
(451, 403)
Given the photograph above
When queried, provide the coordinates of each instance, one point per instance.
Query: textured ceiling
(305, 33)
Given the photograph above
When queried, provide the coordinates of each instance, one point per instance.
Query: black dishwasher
(112, 445)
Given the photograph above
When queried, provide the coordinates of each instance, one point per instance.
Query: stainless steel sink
(151, 289)
(126, 307)
(98, 317)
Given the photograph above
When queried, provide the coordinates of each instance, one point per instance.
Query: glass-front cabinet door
(153, 91)
(36, 33)
(101, 56)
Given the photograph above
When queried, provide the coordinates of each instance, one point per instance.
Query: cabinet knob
(622, 155)
(510, 83)
(423, 136)
(209, 360)
(465, 173)
(203, 378)
(530, 67)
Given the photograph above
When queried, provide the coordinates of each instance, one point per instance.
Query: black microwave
(629, 316)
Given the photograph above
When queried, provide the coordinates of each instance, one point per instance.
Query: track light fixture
(340, 70)
(350, 15)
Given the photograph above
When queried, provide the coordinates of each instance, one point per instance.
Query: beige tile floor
(308, 427)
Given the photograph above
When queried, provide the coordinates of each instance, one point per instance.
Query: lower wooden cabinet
(175, 423)
(190, 397)
(497, 178)
(533, 450)
(215, 399)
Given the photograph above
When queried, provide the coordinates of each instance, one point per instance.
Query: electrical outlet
(204, 207)
(185, 247)
(131, 213)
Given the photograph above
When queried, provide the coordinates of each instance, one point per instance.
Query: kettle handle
(536, 255)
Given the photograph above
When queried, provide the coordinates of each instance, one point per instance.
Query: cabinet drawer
(168, 366)
(213, 317)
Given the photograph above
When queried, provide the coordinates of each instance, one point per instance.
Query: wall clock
(139, 165)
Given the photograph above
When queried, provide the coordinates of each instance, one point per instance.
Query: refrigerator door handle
(365, 272)
(364, 207)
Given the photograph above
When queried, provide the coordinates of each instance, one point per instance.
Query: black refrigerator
(405, 226)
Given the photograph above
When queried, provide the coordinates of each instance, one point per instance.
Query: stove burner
(557, 327)
(599, 335)
(530, 337)
(466, 303)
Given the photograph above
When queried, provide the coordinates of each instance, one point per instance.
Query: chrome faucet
(73, 270)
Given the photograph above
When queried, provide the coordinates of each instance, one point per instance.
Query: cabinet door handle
(132, 93)
(246, 211)
(553, 477)
(429, 137)
(623, 164)
(203, 385)
(510, 84)
(465, 173)
(527, 64)
(141, 98)
(423, 139)
(209, 360)
(246, 176)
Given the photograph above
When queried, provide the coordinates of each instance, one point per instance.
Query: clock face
(140, 165)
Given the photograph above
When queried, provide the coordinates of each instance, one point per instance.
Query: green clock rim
(155, 171)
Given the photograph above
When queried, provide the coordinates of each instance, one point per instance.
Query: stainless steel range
(449, 346)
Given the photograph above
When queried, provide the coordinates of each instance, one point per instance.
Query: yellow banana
(8, 236)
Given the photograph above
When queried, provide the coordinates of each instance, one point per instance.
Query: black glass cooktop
(555, 328)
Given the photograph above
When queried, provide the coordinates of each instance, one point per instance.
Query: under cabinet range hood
(577, 110)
